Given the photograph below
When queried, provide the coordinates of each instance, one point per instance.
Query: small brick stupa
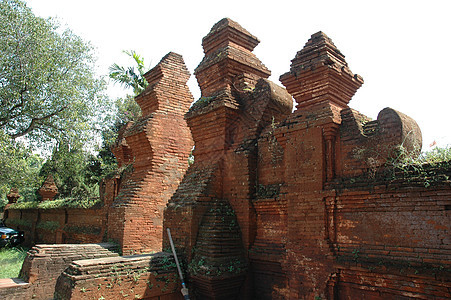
(48, 189)
(13, 195)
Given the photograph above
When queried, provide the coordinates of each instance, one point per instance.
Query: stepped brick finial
(48, 189)
(225, 31)
(170, 72)
(228, 59)
(319, 73)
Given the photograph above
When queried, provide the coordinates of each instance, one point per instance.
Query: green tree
(48, 90)
(19, 168)
(127, 76)
(75, 171)
(126, 110)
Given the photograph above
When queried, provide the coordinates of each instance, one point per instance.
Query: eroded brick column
(154, 154)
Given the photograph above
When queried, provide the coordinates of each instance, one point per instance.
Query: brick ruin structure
(278, 204)
(48, 190)
(13, 195)
(155, 150)
(289, 205)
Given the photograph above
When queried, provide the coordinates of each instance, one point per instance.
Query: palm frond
(129, 78)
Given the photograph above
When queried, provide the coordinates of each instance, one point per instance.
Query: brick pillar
(322, 85)
(216, 118)
(156, 150)
(237, 103)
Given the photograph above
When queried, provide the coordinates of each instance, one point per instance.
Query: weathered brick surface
(44, 263)
(158, 145)
(225, 124)
(314, 220)
(48, 189)
(358, 283)
(151, 276)
(410, 225)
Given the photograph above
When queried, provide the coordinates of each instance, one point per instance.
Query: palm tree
(128, 77)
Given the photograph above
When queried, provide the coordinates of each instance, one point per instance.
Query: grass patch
(11, 260)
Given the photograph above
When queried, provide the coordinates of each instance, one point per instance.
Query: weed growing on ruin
(196, 265)
(59, 203)
(436, 156)
(11, 260)
(421, 167)
(199, 266)
(167, 279)
(201, 103)
(167, 263)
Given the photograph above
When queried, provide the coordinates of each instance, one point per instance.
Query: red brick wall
(277, 205)
(315, 219)
(44, 264)
(150, 277)
(225, 164)
(51, 226)
(409, 224)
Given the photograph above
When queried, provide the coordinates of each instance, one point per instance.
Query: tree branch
(8, 116)
(35, 121)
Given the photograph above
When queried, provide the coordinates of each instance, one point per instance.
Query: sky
(399, 47)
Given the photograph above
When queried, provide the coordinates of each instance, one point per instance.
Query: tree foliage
(19, 168)
(48, 89)
(126, 110)
(75, 171)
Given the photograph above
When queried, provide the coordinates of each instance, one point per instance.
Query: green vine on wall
(20, 222)
(48, 225)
